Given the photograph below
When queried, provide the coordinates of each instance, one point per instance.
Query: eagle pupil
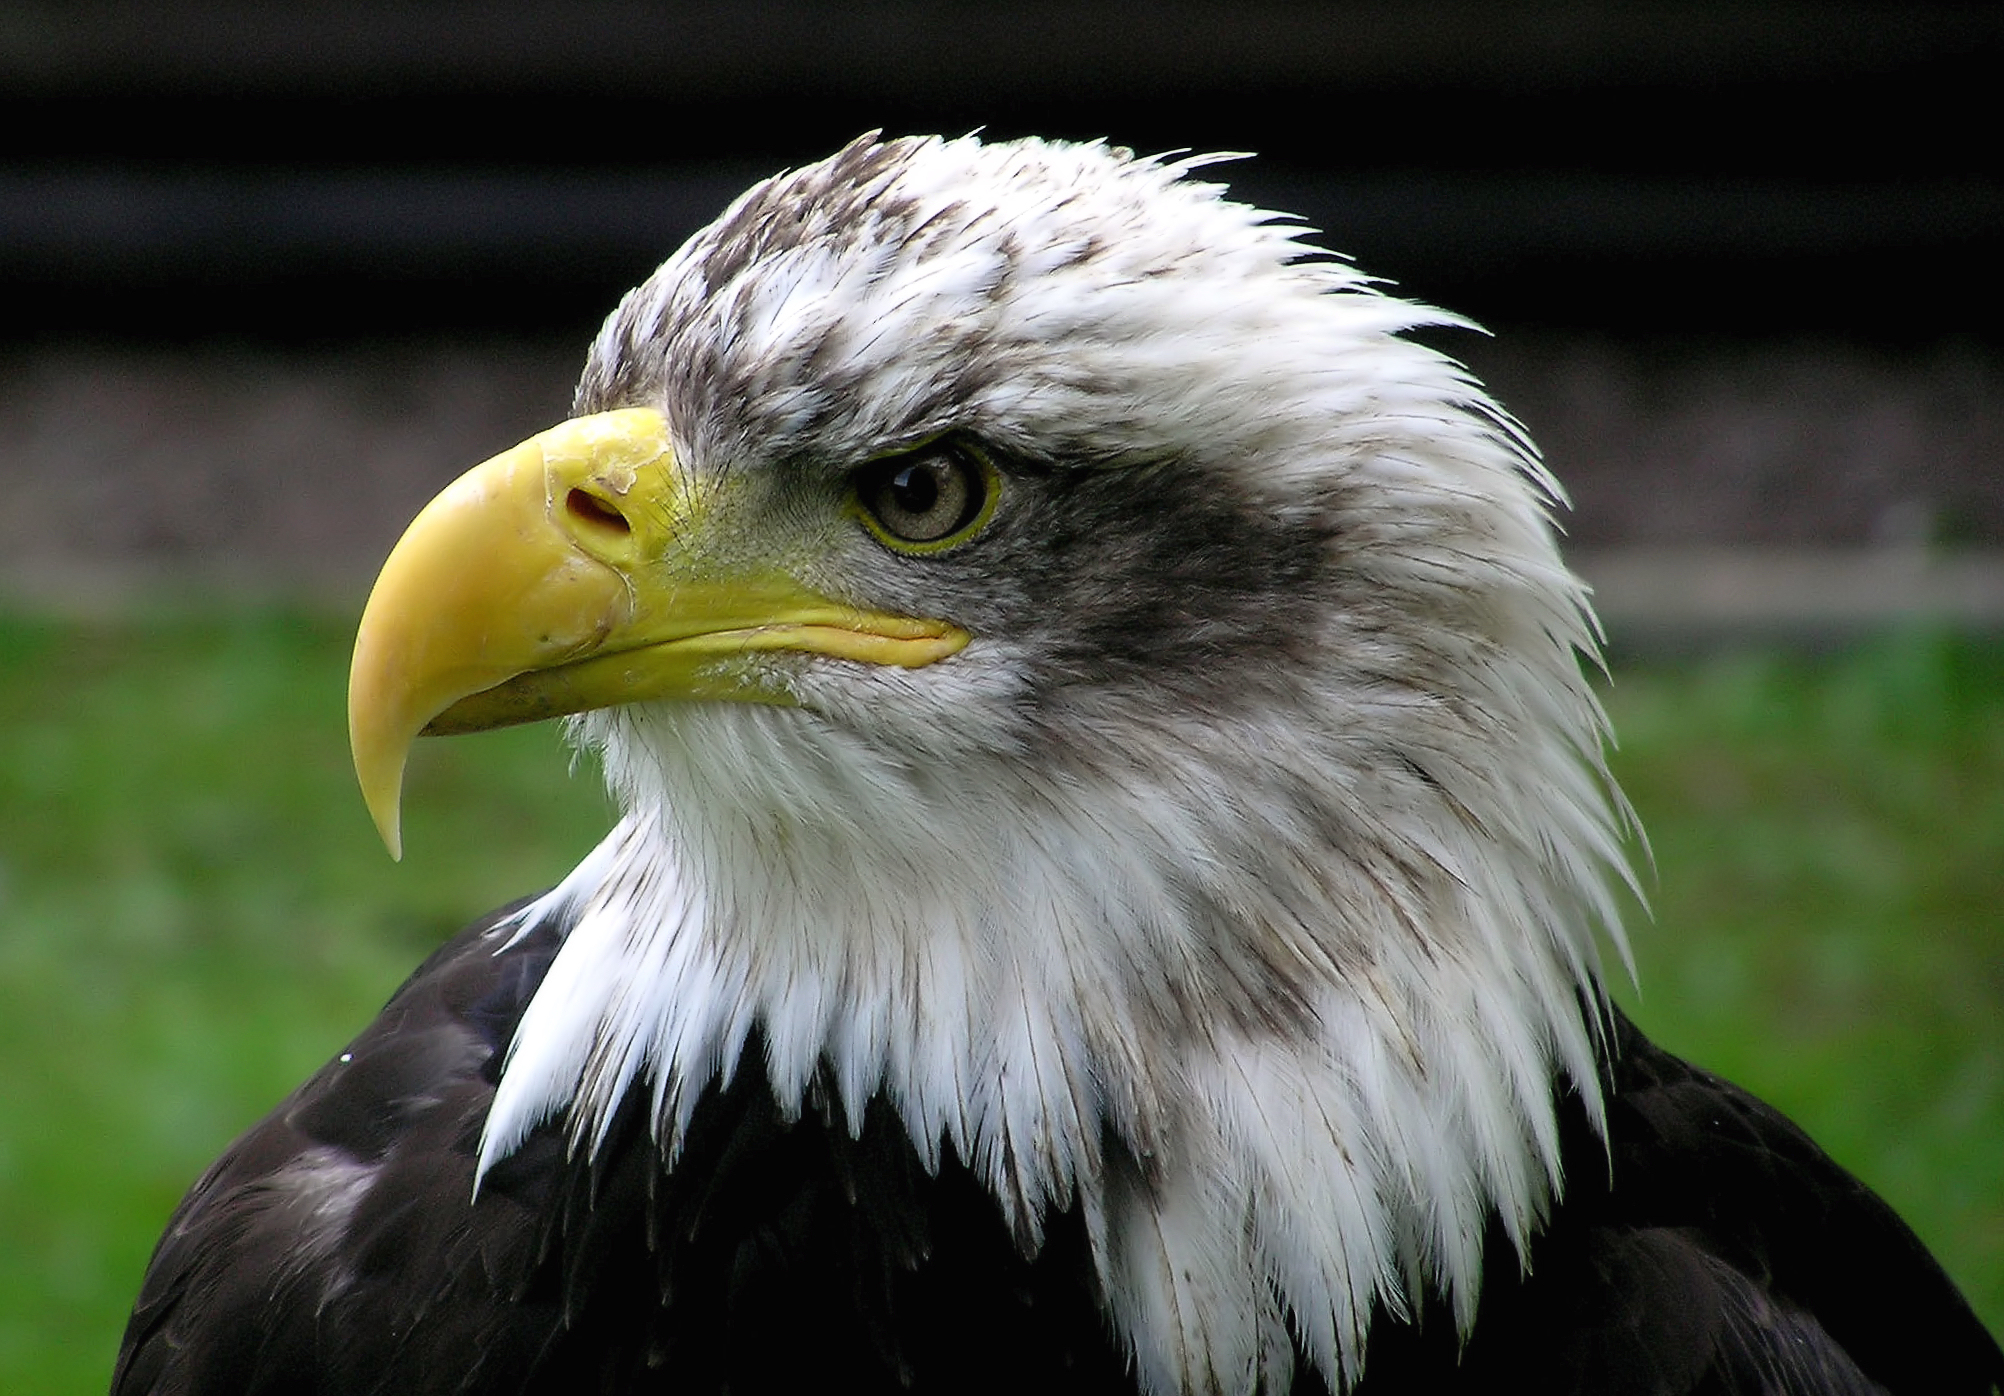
(915, 490)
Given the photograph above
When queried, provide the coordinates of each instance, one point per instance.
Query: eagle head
(1069, 666)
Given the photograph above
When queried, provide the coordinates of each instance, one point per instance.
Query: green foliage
(194, 914)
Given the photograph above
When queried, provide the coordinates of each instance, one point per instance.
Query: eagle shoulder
(340, 1245)
(1707, 1244)
(344, 1222)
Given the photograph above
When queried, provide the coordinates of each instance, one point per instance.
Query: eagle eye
(928, 499)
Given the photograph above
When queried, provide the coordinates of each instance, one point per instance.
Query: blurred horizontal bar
(922, 48)
(136, 224)
(141, 225)
(1653, 597)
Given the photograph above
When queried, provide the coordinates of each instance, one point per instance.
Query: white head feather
(1273, 958)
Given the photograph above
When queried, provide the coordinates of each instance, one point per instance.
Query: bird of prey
(1115, 865)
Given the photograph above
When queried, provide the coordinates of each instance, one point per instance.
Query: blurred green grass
(194, 913)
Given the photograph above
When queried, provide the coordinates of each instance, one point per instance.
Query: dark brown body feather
(338, 1248)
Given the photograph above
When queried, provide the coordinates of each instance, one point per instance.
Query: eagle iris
(928, 499)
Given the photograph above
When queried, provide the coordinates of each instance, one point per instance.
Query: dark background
(304, 171)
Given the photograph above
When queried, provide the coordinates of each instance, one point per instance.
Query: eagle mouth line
(696, 666)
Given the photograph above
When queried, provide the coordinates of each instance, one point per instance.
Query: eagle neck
(1254, 1172)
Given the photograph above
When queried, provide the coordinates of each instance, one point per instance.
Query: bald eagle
(1114, 865)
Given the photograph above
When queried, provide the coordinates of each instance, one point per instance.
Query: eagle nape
(1114, 859)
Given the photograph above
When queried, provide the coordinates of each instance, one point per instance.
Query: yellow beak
(570, 573)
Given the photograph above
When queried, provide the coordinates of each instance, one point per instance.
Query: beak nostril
(590, 509)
